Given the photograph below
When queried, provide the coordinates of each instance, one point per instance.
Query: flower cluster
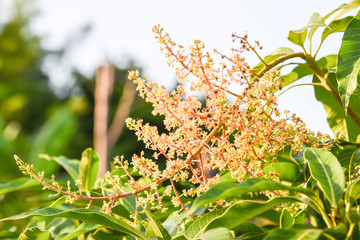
(227, 130)
(227, 120)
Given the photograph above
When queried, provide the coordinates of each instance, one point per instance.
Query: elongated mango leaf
(70, 165)
(338, 232)
(87, 215)
(339, 123)
(249, 227)
(217, 234)
(23, 183)
(353, 164)
(286, 220)
(314, 23)
(6, 234)
(229, 191)
(336, 26)
(327, 171)
(89, 167)
(119, 210)
(296, 74)
(236, 190)
(353, 192)
(181, 237)
(274, 55)
(81, 229)
(53, 137)
(348, 63)
(285, 166)
(234, 215)
(157, 228)
(35, 234)
(355, 215)
(108, 234)
(349, 158)
(303, 70)
(298, 37)
(296, 233)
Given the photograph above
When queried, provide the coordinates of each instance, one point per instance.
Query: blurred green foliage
(35, 120)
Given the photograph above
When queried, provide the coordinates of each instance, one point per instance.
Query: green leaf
(303, 70)
(286, 220)
(339, 123)
(285, 166)
(19, 184)
(297, 73)
(181, 237)
(248, 227)
(53, 137)
(86, 215)
(89, 167)
(314, 23)
(158, 229)
(253, 236)
(108, 234)
(234, 215)
(229, 191)
(327, 62)
(352, 192)
(349, 158)
(35, 234)
(356, 232)
(70, 165)
(327, 171)
(119, 210)
(301, 232)
(348, 63)
(353, 164)
(338, 232)
(217, 234)
(81, 229)
(298, 37)
(236, 190)
(336, 26)
(6, 234)
(281, 51)
(274, 55)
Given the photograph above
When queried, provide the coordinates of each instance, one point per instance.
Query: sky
(121, 30)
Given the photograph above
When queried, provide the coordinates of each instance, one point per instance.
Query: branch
(328, 86)
(318, 72)
(24, 167)
(280, 60)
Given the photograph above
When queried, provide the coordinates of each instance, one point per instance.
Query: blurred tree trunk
(105, 137)
(103, 88)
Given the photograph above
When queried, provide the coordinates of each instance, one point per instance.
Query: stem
(253, 49)
(280, 60)
(350, 231)
(328, 86)
(136, 191)
(322, 212)
(202, 168)
(177, 195)
(298, 85)
(318, 72)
